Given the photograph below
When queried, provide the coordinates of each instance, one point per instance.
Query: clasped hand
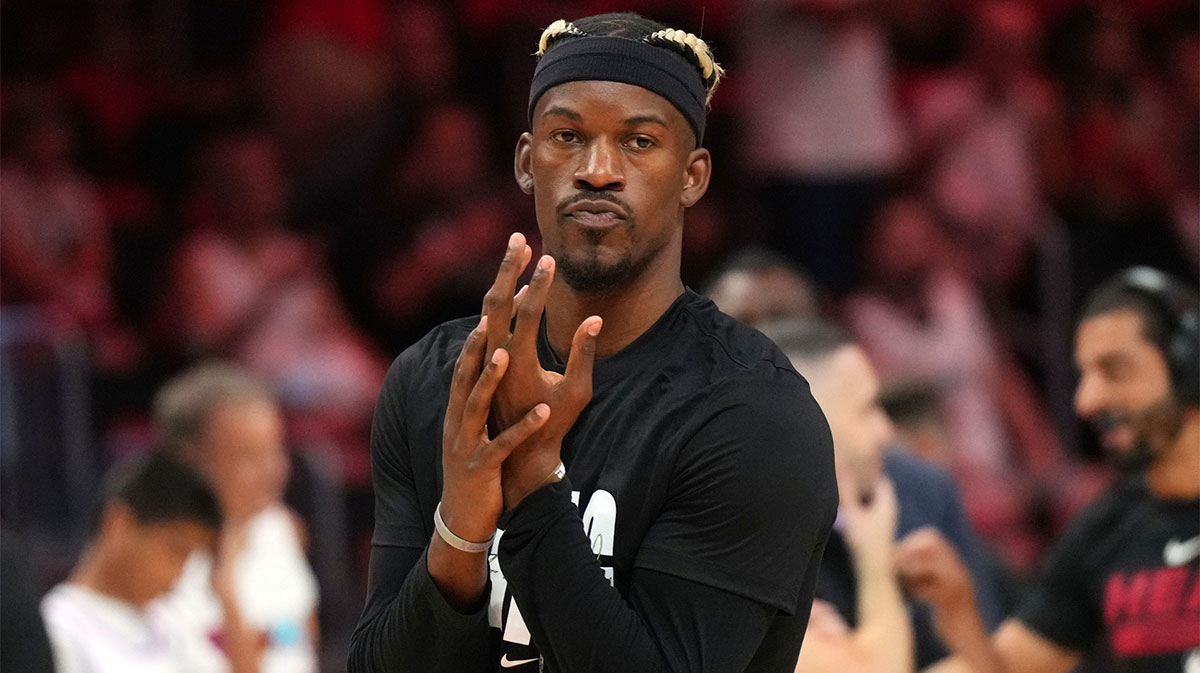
(506, 418)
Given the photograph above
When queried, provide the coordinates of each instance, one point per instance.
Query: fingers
(479, 402)
(578, 376)
(499, 448)
(466, 371)
(498, 302)
(520, 297)
(529, 312)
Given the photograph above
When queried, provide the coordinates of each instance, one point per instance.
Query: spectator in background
(980, 127)
(1125, 576)
(258, 601)
(54, 247)
(1128, 141)
(862, 623)
(759, 285)
(920, 426)
(920, 317)
(248, 289)
(444, 264)
(103, 619)
(822, 132)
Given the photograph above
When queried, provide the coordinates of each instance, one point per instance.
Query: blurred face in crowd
(760, 297)
(1125, 388)
(150, 555)
(905, 243)
(611, 166)
(1005, 37)
(845, 386)
(243, 449)
(248, 182)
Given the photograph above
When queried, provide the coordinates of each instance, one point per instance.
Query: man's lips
(592, 220)
(596, 208)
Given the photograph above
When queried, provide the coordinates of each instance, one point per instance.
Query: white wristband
(455, 541)
(558, 474)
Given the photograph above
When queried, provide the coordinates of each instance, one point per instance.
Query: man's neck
(627, 312)
(1175, 475)
(93, 572)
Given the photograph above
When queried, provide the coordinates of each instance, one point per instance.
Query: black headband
(620, 59)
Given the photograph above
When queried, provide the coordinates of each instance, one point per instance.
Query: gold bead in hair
(709, 68)
(554, 30)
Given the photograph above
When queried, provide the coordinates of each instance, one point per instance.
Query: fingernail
(512, 241)
(482, 323)
(544, 263)
(497, 356)
(541, 410)
(594, 328)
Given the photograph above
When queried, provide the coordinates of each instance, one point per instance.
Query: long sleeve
(581, 623)
(407, 624)
(734, 551)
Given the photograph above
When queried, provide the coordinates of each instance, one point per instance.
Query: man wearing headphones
(1126, 572)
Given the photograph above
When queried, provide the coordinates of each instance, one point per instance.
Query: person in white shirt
(157, 511)
(252, 609)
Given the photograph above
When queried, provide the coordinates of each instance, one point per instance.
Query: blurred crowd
(305, 188)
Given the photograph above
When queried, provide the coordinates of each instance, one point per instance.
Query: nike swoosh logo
(505, 662)
(1177, 553)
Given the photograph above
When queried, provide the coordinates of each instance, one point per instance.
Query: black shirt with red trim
(1125, 576)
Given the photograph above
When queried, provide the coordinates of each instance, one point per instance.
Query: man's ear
(522, 163)
(696, 177)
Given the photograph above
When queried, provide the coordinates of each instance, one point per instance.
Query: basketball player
(699, 462)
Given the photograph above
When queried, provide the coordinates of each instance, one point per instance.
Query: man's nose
(601, 167)
(1088, 396)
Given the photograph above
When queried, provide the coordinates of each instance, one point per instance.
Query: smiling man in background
(1126, 572)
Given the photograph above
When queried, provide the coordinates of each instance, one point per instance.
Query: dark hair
(909, 401)
(1169, 312)
(1116, 295)
(755, 259)
(619, 24)
(807, 338)
(160, 488)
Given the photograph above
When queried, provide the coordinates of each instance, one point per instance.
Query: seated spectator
(822, 133)
(920, 318)
(981, 126)
(913, 408)
(759, 285)
(54, 241)
(257, 602)
(103, 619)
(246, 288)
(868, 628)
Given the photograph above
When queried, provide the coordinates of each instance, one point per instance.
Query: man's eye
(641, 142)
(565, 136)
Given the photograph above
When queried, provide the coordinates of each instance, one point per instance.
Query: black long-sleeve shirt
(704, 472)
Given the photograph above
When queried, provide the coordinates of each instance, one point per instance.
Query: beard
(587, 275)
(1155, 427)
(582, 269)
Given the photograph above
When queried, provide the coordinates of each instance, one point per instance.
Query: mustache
(597, 195)
(1109, 420)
